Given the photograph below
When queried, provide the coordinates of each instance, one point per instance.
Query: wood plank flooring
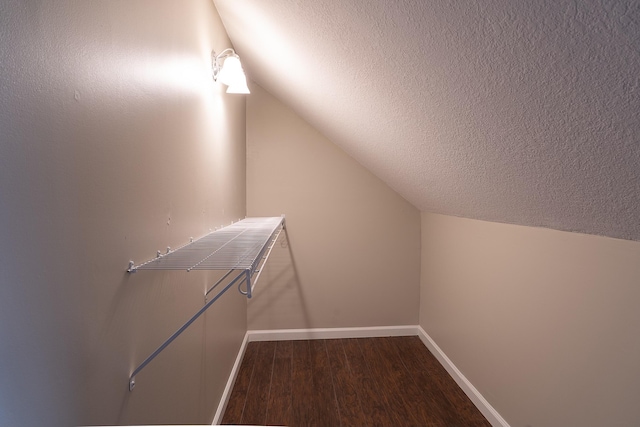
(390, 381)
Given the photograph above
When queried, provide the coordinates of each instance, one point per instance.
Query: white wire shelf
(236, 247)
(244, 246)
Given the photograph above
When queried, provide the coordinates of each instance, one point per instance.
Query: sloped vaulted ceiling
(523, 112)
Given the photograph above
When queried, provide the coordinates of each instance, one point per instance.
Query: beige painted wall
(114, 143)
(544, 323)
(353, 254)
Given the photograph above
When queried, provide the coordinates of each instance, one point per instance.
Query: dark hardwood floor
(391, 381)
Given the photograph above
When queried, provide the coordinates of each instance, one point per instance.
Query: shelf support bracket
(132, 378)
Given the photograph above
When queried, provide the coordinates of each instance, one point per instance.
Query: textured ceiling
(523, 112)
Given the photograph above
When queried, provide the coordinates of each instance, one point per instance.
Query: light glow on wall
(190, 74)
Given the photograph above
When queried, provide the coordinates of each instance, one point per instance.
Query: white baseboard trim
(331, 333)
(478, 400)
(217, 418)
(369, 332)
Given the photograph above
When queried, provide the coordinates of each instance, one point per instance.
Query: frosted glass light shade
(239, 87)
(231, 71)
(227, 70)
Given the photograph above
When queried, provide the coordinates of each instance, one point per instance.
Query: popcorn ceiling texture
(507, 111)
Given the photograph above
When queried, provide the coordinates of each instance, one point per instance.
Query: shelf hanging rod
(218, 282)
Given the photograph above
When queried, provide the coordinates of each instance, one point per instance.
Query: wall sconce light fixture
(228, 70)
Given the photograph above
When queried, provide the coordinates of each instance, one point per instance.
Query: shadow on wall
(279, 282)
